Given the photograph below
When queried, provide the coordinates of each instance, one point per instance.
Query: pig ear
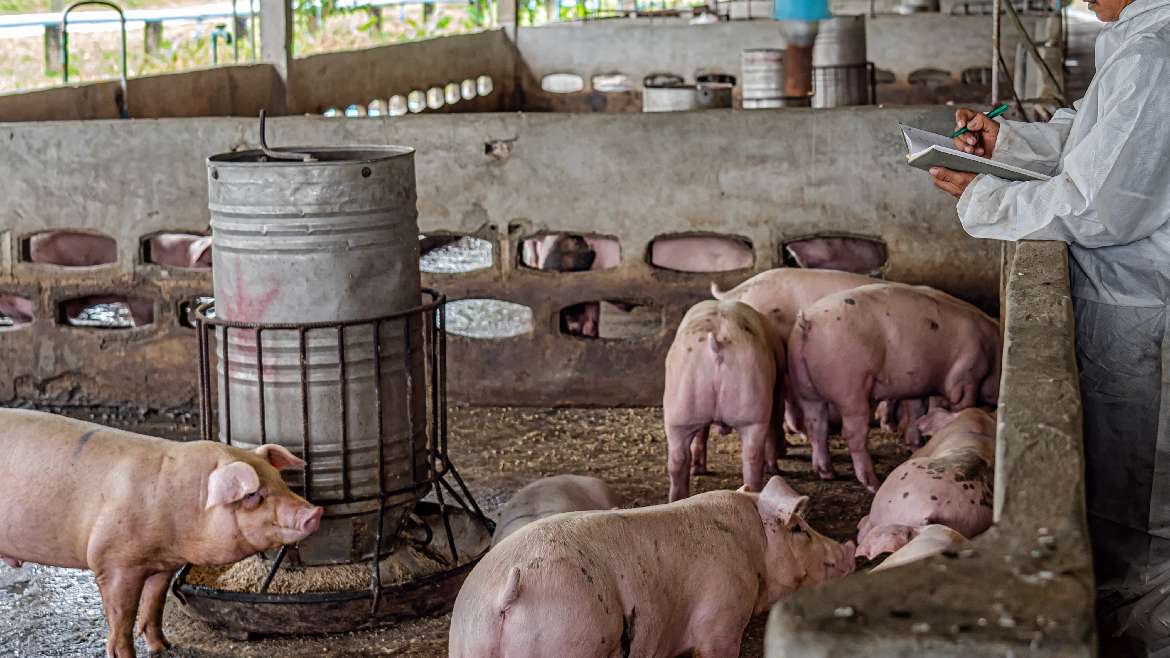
(781, 502)
(934, 421)
(230, 483)
(279, 457)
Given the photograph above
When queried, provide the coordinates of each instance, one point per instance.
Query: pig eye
(253, 500)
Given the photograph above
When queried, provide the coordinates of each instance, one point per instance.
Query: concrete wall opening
(416, 101)
(186, 309)
(435, 98)
(569, 252)
(930, 77)
(69, 249)
(612, 83)
(397, 105)
(562, 83)
(611, 319)
(453, 254)
(189, 251)
(488, 318)
(106, 312)
(701, 253)
(15, 311)
(484, 85)
(848, 253)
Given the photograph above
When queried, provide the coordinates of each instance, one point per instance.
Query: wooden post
(276, 48)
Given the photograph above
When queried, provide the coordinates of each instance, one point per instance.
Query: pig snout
(302, 522)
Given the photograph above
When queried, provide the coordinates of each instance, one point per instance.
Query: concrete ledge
(1026, 586)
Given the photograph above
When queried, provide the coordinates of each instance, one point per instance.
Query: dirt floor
(56, 612)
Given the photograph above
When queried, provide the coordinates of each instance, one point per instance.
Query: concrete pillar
(53, 42)
(152, 36)
(276, 48)
(509, 17)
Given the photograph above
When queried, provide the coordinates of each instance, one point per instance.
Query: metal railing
(122, 101)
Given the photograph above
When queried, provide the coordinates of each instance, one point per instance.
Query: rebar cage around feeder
(439, 468)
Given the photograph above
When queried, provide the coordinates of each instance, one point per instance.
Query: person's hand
(951, 182)
(981, 135)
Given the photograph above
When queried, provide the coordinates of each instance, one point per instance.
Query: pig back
(552, 495)
(59, 476)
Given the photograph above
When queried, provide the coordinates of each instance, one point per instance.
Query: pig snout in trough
(631, 583)
(948, 481)
(925, 542)
(883, 342)
(138, 509)
(552, 495)
(723, 368)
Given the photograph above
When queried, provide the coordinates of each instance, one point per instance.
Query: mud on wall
(760, 178)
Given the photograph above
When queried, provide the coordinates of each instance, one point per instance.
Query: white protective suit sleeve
(1114, 187)
(1035, 146)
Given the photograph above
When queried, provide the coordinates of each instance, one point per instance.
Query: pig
(885, 342)
(582, 319)
(72, 249)
(181, 250)
(701, 254)
(134, 509)
(948, 481)
(779, 294)
(653, 582)
(601, 253)
(552, 495)
(925, 542)
(17, 309)
(723, 367)
(843, 253)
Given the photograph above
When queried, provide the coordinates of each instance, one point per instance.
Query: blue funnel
(800, 10)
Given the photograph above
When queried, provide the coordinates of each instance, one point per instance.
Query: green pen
(990, 115)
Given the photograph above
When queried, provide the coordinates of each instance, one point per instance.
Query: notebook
(925, 149)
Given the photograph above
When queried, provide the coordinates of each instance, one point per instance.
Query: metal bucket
(331, 240)
(762, 77)
(840, 42)
(841, 86)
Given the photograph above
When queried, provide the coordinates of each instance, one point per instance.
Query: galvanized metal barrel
(841, 74)
(332, 240)
(762, 78)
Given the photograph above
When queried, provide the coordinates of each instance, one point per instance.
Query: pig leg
(722, 638)
(121, 590)
(911, 411)
(815, 417)
(678, 461)
(11, 561)
(778, 443)
(699, 451)
(150, 611)
(755, 443)
(855, 428)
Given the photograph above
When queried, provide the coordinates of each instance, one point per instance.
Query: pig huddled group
(807, 348)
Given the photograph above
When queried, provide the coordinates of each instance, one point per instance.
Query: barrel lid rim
(238, 158)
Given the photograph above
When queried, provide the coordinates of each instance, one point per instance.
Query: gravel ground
(56, 612)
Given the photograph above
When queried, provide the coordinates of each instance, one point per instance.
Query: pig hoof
(699, 470)
(825, 473)
(772, 469)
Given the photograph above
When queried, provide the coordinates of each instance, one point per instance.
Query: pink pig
(652, 582)
(948, 482)
(884, 342)
(722, 368)
(926, 541)
(134, 509)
